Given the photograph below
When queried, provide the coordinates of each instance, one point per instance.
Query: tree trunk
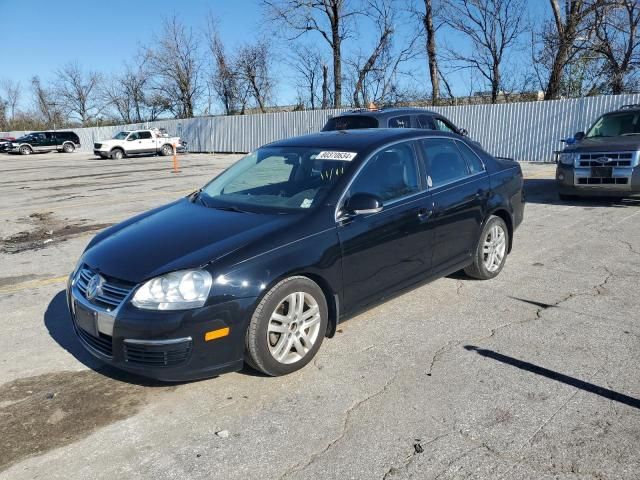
(431, 51)
(495, 83)
(325, 87)
(617, 83)
(337, 60)
(557, 69)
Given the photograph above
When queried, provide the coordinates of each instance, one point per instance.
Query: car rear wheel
(287, 327)
(117, 154)
(166, 150)
(68, 148)
(491, 252)
(26, 150)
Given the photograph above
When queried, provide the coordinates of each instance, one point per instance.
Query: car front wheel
(287, 327)
(491, 252)
(117, 154)
(26, 150)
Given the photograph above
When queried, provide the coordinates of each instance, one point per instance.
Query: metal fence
(523, 131)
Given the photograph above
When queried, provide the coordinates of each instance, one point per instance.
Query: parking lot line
(32, 284)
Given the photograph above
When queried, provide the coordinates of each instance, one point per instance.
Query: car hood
(178, 236)
(606, 144)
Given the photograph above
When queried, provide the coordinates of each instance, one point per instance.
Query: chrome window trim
(484, 166)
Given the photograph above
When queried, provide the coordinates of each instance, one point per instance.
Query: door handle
(481, 193)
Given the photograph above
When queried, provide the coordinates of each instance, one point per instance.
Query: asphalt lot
(531, 375)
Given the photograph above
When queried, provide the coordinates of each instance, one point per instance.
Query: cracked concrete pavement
(530, 375)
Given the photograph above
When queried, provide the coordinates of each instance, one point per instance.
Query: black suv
(45, 142)
(605, 160)
(392, 118)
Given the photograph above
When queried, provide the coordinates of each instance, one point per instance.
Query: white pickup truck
(137, 142)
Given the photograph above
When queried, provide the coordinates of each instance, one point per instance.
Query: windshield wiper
(229, 209)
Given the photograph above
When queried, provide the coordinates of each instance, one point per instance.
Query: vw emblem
(603, 160)
(94, 287)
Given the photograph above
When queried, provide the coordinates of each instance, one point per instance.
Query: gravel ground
(530, 375)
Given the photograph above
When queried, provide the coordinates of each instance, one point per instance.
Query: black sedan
(262, 263)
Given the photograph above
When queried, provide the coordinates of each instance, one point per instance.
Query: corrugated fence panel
(524, 131)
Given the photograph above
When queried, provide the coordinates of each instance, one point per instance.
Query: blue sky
(101, 34)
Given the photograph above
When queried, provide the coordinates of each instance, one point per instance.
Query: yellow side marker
(32, 284)
(213, 334)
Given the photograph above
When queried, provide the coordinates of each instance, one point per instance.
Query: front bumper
(167, 346)
(571, 180)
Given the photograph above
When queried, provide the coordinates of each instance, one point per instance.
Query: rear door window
(352, 122)
(400, 122)
(444, 162)
(144, 135)
(474, 162)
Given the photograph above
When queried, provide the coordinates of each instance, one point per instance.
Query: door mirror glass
(578, 136)
(363, 204)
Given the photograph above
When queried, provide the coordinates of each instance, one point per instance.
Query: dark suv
(392, 118)
(45, 142)
(605, 160)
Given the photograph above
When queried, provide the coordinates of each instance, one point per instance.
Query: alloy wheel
(293, 328)
(494, 247)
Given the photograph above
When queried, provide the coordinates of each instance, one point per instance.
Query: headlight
(567, 158)
(174, 291)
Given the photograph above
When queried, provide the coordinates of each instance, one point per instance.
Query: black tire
(68, 148)
(258, 354)
(26, 150)
(478, 269)
(117, 154)
(166, 150)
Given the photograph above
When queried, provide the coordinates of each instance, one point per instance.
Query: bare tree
(329, 18)
(223, 78)
(566, 38)
(305, 61)
(382, 14)
(78, 92)
(617, 41)
(493, 27)
(128, 93)
(325, 86)
(175, 64)
(428, 23)
(10, 97)
(252, 68)
(46, 107)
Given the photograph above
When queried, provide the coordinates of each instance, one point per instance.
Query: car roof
(358, 139)
(387, 112)
(634, 107)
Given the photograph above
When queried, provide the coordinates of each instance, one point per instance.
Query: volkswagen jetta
(261, 264)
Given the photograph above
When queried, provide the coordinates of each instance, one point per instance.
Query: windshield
(121, 136)
(350, 123)
(616, 124)
(284, 178)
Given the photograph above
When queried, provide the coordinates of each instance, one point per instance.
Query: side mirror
(363, 204)
(463, 132)
(130, 139)
(578, 136)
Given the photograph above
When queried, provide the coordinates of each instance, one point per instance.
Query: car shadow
(545, 191)
(57, 320)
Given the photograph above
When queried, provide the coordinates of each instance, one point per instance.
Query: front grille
(97, 146)
(103, 344)
(603, 181)
(113, 292)
(157, 355)
(615, 159)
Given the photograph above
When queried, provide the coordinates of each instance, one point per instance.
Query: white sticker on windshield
(306, 203)
(343, 156)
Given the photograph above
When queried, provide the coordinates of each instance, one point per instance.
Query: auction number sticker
(342, 156)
